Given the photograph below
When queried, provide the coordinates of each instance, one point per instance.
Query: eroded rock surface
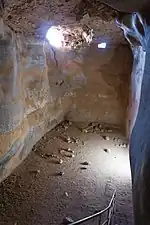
(39, 86)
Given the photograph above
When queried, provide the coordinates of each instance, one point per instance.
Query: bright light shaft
(55, 37)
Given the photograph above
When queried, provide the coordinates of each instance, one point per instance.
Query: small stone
(54, 156)
(44, 138)
(66, 193)
(74, 140)
(124, 145)
(62, 152)
(34, 149)
(84, 131)
(106, 138)
(67, 220)
(109, 131)
(83, 168)
(69, 150)
(61, 173)
(116, 139)
(36, 171)
(48, 155)
(106, 150)
(65, 127)
(60, 161)
(33, 25)
(86, 163)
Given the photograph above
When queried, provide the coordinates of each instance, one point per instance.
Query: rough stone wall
(105, 96)
(27, 107)
(39, 86)
(99, 81)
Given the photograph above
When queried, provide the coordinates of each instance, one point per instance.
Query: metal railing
(109, 210)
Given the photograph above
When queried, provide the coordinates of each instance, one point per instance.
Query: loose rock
(70, 123)
(61, 173)
(44, 138)
(33, 25)
(106, 150)
(124, 145)
(86, 163)
(65, 127)
(84, 130)
(34, 149)
(67, 150)
(74, 140)
(115, 139)
(48, 155)
(62, 152)
(66, 193)
(36, 171)
(83, 168)
(69, 140)
(54, 156)
(60, 161)
(106, 138)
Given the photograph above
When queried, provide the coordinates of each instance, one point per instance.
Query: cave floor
(60, 178)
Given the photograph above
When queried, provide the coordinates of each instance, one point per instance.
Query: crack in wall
(55, 58)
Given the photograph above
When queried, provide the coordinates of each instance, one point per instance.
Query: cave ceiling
(34, 17)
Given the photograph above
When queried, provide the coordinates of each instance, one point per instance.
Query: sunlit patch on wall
(102, 45)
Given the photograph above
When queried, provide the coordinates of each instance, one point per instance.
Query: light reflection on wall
(102, 45)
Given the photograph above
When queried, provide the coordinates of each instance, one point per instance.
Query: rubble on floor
(59, 184)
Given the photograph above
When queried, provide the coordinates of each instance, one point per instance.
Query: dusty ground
(44, 189)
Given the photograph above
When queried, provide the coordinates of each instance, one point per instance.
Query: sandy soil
(52, 183)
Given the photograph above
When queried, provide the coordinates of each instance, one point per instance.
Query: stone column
(11, 101)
